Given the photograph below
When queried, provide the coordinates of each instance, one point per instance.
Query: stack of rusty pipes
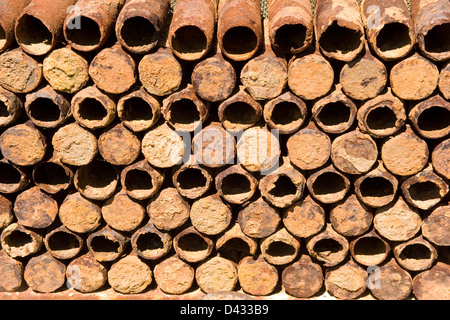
(199, 147)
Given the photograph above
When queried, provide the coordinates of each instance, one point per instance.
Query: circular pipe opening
(44, 110)
(235, 184)
(290, 37)
(9, 176)
(136, 110)
(416, 252)
(328, 183)
(51, 174)
(370, 250)
(138, 32)
(92, 110)
(393, 36)
(193, 246)
(376, 187)
(149, 244)
(280, 249)
(189, 40)
(437, 40)
(283, 187)
(97, 177)
(342, 40)
(18, 239)
(63, 243)
(183, 112)
(334, 114)
(240, 113)
(138, 181)
(83, 31)
(234, 249)
(285, 113)
(191, 178)
(327, 247)
(381, 118)
(434, 119)
(425, 191)
(33, 34)
(239, 40)
(103, 245)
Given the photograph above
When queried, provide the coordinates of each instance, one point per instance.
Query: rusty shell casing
(140, 180)
(370, 249)
(38, 29)
(235, 184)
(239, 28)
(106, 244)
(414, 78)
(192, 28)
(286, 113)
(350, 217)
(280, 248)
(14, 179)
(11, 278)
(440, 159)
(214, 78)
(416, 254)
(138, 110)
(436, 226)
(240, 111)
(184, 111)
(46, 108)
(63, 243)
(192, 180)
(79, 214)
(89, 24)
(339, 29)
(284, 186)
(44, 273)
(140, 24)
(85, 274)
(405, 154)
(9, 236)
(347, 281)
(256, 276)
(139, 275)
(6, 212)
(19, 72)
(431, 284)
(97, 180)
(291, 26)
(213, 146)
(9, 12)
(258, 219)
(376, 188)
(119, 146)
(389, 28)
(12, 107)
(35, 209)
(122, 212)
(65, 70)
(328, 246)
(174, 276)
(23, 144)
(210, 215)
(425, 189)
(168, 210)
(234, 244)
(113, 70)
(192, 246)
(382, 116)
(328, 185)
(431, 117)
(150, 243)
(216, 274)
(303, 278)
(390, 282)
(431, 21)
(92, 108)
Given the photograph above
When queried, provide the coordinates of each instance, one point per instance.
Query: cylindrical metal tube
(328, 185)
(93, 109)
(239, 28)
(369, 249)
(11, 108)
(63, 243)
(97, 180)
(436, 226)
(19, 242)
(303, 278)
(140, 23)
(85, 274)
(12, 178)
(46, 108)
(168, 210)
(192, 246)
(138, 110)
(23, 144)
(140, 181)
(106, 244)
(210, 215)
(350, 217)
(347, 281)
(38, 29)
(52, 176)
(192, 180)
(150, 243)
(431, 24)
(290, 25)
(216, 274)
(440, 159)
(192, 28)
(234, 244)
(11, 278)
(119, 146)
(90, 23)
(431, 284)
(339, 29)
(139, 275)
(416, 254)
(44, 273)
(79, 214)
(65, 70)
(389, 28)
(258, 219)
(280, 248)
(236, 185)
(256, 276)
(9, 12)
(123, 213)
(174, 276)
(19, 72)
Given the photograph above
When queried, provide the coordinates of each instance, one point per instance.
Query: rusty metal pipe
(106, 244)
(12, 178)
(140, 180)
(44, 273)
(303, 278)
(328, 185)
(389, 28)
(119, 146)
(150, 243)
(280, 248)
(140, 23)
(216, 274)
(192, 246)
(431, 284)
(370, 249)
(444, 81)
(11, 108)
(20, 242)
(11, 278)
(416, 254)
(290, 25)
(9, 12)
(258, 219)
(435, 227)
(440, 159)
(235, 185)
(192, 28)
(139, 276)
(210, 215)
(85, 274)
(192, 180)
(234, 244)
(256, 276)
(80, 214)
(174, 276)
(63, 243)
(346, 290)
(38, 29)
(350, 217)
(90, 23)
(239, 28)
